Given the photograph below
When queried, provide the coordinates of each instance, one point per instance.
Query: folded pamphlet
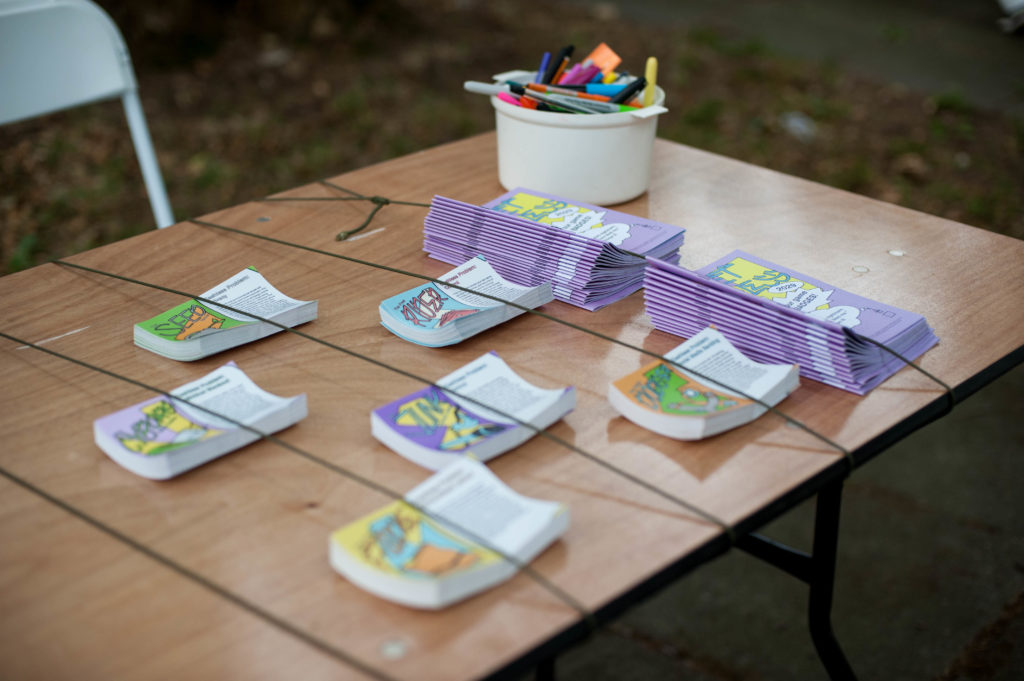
(436, 315)
(193, 330)
(163, 436)
(435, 428)
(706, 387)
(775, 314)
(433, 559)
(593, 256)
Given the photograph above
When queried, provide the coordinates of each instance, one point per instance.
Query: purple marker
(570, 75)
(584, 75)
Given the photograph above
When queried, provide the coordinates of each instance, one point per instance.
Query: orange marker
(540, 87)
(560, 70)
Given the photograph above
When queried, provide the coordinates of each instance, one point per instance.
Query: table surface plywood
(78, 594)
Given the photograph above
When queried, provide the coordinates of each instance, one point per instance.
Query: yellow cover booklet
(432, 559)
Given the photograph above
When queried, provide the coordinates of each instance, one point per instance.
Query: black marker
(627, 92)
(553, 65)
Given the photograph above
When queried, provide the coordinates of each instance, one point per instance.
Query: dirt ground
(248, 98)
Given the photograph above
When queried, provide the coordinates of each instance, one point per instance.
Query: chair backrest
(57, 54)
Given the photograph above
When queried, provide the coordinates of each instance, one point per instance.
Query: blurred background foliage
(249, 97)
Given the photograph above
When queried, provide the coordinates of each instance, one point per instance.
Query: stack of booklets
(681, 398)
(435, 428)
(163, 437)
(193, 329)
(592, 256)
(435, 315)
(775, 314)
(449, 541)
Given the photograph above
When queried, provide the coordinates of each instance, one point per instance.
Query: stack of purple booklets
(777, 315)
(591, 255)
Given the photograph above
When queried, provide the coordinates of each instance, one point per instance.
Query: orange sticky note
(605, 58)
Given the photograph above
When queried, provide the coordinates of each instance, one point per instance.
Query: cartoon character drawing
(189, 321)
(426, 306)
(571, 218)
(162, 429)
(697, 402)
(784, 289)
(407, 542)
(434, 411)
(666, 391)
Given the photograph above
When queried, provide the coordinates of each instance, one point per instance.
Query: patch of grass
(716, 41)
(349, 103)
(898, 147)
(22, 257)
(982, 208)
(938, 132)
(687, 65)
(854, 176)
(704, 114)
(893, 34)
(946, 192)
(58, 209)
(208, 171)
(953, 102)
(317, 156)
(399, 145)
(745, 48)
(706, 37)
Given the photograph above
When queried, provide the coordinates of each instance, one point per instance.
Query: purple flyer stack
(591, 255)
(775, 314)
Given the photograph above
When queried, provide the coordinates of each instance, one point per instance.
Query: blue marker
(544, 61)
(606, 89)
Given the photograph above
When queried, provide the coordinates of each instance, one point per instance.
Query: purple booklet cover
(777, 312)
(628, 232)
(433, 420)
(806, 295)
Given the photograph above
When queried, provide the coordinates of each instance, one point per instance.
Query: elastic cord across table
(538, 313)
(728, 529)
(335, 652)
(381, 201)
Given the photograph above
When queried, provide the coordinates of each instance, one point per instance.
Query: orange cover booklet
(665, 398)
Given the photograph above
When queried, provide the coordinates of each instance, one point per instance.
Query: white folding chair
(57, 54)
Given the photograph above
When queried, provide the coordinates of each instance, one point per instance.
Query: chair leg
(147, 160)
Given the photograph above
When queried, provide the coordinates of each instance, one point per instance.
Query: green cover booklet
(192, 330)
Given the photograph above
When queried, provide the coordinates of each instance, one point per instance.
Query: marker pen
(543, 68)
(595, 107)
(651, 75)
(559, 60)
(563, 91)
(631, 89)
(574, 107)
(608, 90)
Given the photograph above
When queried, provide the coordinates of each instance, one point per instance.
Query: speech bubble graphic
(589, 223)
(844, 315)
(804, 299)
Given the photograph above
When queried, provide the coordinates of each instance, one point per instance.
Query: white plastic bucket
(594, 158)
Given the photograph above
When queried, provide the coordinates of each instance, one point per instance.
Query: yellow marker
(651, 74)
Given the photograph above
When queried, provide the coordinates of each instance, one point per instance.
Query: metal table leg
(816, 570)
(545, 670)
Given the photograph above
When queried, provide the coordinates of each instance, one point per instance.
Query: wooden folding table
(223, 571)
